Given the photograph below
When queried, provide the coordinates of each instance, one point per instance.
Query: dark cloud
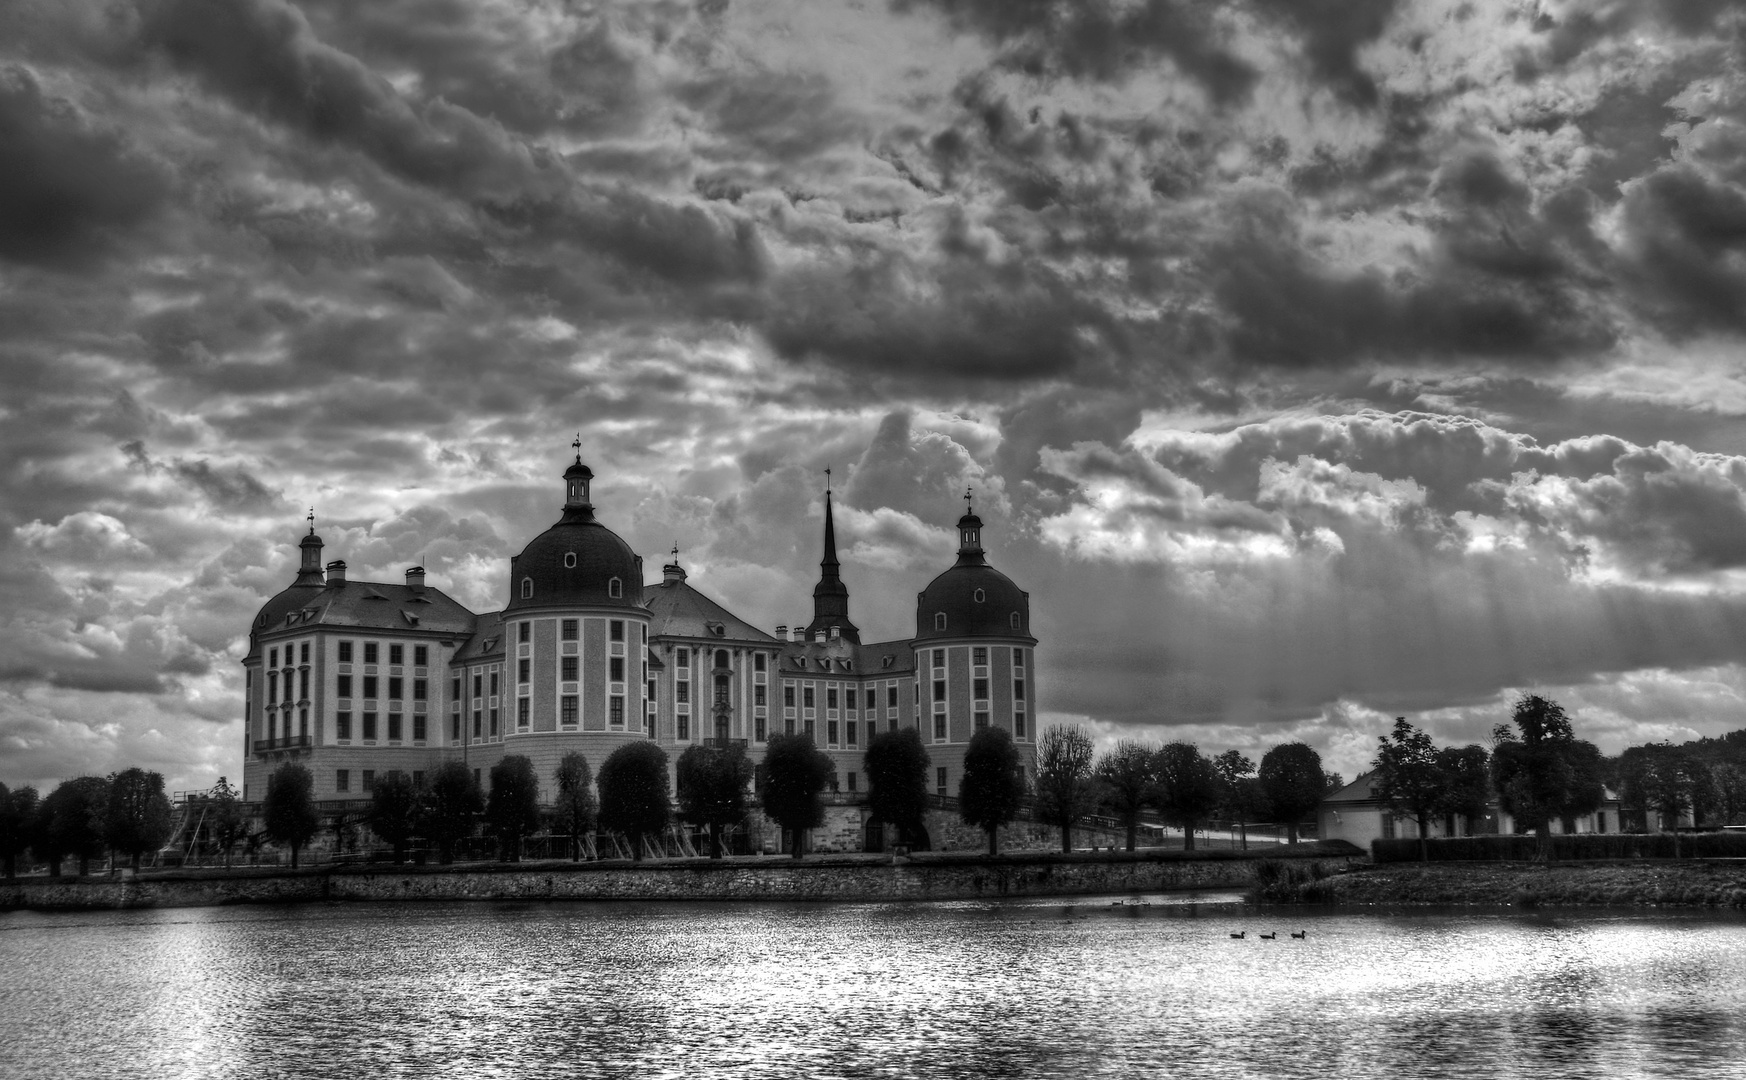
(1330, 33)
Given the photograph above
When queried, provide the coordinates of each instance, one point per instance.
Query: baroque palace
(356, 679)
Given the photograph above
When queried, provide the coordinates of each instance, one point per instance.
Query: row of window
(614, 587)
(940, 616)
(371, 683)
(368, 726)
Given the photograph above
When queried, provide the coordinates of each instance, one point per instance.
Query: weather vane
(675, 553)
(312, 521)
(577, 444)
(969, 508)
(827, 479)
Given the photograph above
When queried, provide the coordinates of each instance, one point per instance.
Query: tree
(452, 804)
(993, 787)
(633, 793)
(795, 772)
(512, 809)
(1188, 787)
(396, 807)
(1240, 792)
(18, 812)
(225, 818)
(1129, 782)
(70, 823)
(712, 784)
(137, 818)
(576, 806)
(1728, 780)
(1666, 779)
(289, 809)
(1545, 771)
(1292, 781)
(1468, 796)
(1065, 788)
(1409, 777)
(896, 764)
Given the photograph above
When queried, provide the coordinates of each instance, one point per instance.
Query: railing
(283, 742)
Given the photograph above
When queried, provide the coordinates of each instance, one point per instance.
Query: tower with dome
(357, 679)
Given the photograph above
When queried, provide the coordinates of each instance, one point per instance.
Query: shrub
(1716, 845)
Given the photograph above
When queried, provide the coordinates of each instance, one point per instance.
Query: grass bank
(1626, 883)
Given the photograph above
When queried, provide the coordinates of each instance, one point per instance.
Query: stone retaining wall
(841, 878)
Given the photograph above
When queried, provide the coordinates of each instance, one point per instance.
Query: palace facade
(356, 679)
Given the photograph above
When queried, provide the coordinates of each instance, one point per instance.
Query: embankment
(826, 878)
(1634, 883)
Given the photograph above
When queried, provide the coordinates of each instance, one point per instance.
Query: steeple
(309, 573)
(576, 480)
(970, 535)
(830, 597)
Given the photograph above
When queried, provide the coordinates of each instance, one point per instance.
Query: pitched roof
(487, 639)
(681, 611)
(844, 657)
(363, 605)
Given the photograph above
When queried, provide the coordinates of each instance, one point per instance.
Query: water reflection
(986, 988)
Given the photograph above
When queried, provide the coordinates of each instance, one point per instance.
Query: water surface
(1009, 989)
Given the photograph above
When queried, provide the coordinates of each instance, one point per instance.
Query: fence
(1708, 845)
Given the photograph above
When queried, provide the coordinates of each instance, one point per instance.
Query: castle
(356, 679)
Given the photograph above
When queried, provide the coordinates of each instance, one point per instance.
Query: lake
(1002, 989)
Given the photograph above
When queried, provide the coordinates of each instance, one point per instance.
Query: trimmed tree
(1292, 782)
(1189, 787)
(70, 823)
(993, 787)
(452, 804)
(712, 788)
(1543, 771)
(137, 818)
(395, 809)
(1467, 770)
(633, 793)
(1409, 778)
(576, 807)
(18, 812)
(512, 809)
(896, 764)
(1128, 779)
(225, 822)
(795, 772)
(1065, 788)
(289, 809)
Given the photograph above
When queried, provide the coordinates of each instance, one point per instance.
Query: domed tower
(574, 642)
(974, 655)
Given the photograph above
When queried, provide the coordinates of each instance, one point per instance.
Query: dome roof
(977, 600)
(577, 562)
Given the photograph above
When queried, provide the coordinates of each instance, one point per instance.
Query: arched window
(940, 620)
(527, 588)
(979, 596)
(1015, 620)
(615, 588)
(569, 560)
(721, 658)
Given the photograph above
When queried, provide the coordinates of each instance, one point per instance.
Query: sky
(1313, 362)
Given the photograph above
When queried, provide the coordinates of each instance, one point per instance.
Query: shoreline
(1684, 883)
(852, 878)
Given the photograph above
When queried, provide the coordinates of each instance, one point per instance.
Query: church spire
(830, 597)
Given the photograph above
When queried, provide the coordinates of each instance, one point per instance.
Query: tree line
(89, 817)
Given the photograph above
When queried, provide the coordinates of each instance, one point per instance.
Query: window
(788, 696)
(455, 728)
(939, 620)
(567, 630)
(939, 725)
(1018, 657)
(979, 689)
(523, 710)
(421, 655)
(527, 588)
(831, 731)
(273, 657)
(939, 690)
(615, 710)
(395, 687)
(979, 596)
(682, 692)
(397, 654)
(455, 688)
(369, 780)
(345, 686)
(615, 630)
(849, 735)
(831, 697)
(652, 685)
(683, 726)
(393, 727)
(721, 658)
(342, 779)
(418, 728)
(758, 694)
(1388, 826)
(940, 780)
(494, 723)
(891, 696)
(342, 725)
(758, 662)
(788, 727)
(939, 658)
(615, 588)
(345, 652)
(567, 668)
(1018, 725)
(807, 727)
(523, 632)
(683, 656)
(981, 720)
(370, 726)
(979, 655)
(370, 685)
(758, 729)
(303, 685)
(569, 560)
(567, 709)
(303, 723)
(806, 697)
(721, 689)
(478, 684)
(369, 652)
(478, 722)
(1014, 620)
(523, 671)
(494, 684)
(615, 669)
(303, 653)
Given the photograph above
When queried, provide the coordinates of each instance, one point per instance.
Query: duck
(1241, 934)
(1270, 937)
(1300, 934)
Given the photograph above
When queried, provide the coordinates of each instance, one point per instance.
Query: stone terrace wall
(865, 878)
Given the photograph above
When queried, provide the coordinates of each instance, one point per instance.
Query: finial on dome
(827, 479)
(576, 444)
(312, 521)
(969, 508)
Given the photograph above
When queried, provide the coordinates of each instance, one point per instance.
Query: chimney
(818, 637)
(336, 573)
(782, 631)
(836, 633)
(415, 579)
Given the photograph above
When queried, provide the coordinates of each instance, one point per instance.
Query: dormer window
(940, 620)
(979, 596)
(615, 588)
(527, 588)
(1015, 620)
(569, 560)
